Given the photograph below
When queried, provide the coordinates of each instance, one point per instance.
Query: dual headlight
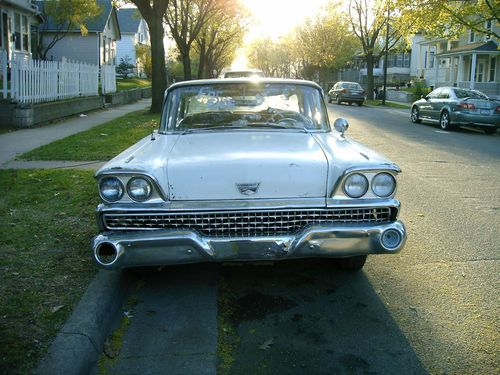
(382, 185)
(138, 189)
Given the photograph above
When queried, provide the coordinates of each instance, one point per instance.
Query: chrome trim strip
(166, 247)
(209, 205)
(254, 204)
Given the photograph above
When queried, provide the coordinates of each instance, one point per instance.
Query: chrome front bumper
(166, 247)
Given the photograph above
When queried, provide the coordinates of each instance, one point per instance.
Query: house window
(406, 62)
(493, 65)
(487, 26)
(480, 71)
(472, 36)
(399, 61)
(17, 31)
(431, 59)
(24, 31)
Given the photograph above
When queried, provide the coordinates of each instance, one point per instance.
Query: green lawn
(388, 104)
(131, 83)
(46, 223)
(7, 129)
(100, 143)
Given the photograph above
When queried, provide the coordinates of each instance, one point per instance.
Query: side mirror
(424, 97)
(341, 125)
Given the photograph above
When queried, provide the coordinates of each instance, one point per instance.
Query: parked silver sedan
(452, 106)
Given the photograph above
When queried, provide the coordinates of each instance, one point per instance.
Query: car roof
(226, 81)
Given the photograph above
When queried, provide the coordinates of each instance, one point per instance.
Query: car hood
(246, 165)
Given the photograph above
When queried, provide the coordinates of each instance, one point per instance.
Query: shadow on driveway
(308, 317)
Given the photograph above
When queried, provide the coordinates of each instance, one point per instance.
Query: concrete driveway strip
(25, 140)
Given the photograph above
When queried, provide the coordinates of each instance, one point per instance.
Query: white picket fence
(3, 74)
(36, 81)
(108, 79)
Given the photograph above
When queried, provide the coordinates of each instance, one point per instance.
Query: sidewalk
(21, 141)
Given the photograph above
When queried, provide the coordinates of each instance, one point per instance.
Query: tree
(143, 53)
(153, 12)
(185, 20)
(275, 59)
(125, 67)
(368, 22)
(219, 39)
(65, 16)
(448, 18)
(326, 41)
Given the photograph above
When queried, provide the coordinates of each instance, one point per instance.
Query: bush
(125, 68)
(420, 90)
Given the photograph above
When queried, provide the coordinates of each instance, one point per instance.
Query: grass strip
(388, 104)
(132, 83)
(102, 142)
(46, 223)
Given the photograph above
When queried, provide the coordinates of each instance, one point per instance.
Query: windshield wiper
(191, 130)
(276, 126)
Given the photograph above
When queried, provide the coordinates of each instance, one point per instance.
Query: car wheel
(415, 115)
(352, 263)
(490, 130)
(360, 103)
(444, 121)
(329, 99)
(338, 100)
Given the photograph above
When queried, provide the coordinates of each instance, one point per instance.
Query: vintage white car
(246, 170)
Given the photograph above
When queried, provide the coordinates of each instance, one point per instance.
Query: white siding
(126, 47)
(75, 47)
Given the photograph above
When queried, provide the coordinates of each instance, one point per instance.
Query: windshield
(352, 86)
(473, 94)
(248, 105)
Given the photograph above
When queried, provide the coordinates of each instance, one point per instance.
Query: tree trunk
(159, 73)
(186, 63)
(202, 65)
(369, 75)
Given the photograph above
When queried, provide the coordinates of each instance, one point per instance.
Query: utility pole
(386, 54)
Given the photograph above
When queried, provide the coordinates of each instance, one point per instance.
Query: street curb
(78, 345)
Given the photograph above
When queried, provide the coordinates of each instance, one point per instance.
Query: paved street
(433, 308)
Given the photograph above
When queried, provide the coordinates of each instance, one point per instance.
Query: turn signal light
(497, 109)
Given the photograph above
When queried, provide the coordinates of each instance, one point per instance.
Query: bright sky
(275, 18)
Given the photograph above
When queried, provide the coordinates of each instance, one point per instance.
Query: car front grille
(246, 223)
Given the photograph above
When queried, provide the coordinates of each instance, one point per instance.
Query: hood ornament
(248, 189)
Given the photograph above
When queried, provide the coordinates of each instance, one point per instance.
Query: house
(97, 47)
(134, 31)
(470, 61)
(19, 20)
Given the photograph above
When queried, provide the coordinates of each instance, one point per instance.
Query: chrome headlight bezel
(389, 178)
(130, 188)
(361, 179)
(119, 186)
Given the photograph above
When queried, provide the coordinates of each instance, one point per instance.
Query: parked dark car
(348, 92)
(452, 106)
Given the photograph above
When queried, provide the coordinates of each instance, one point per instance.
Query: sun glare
(275, 18)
